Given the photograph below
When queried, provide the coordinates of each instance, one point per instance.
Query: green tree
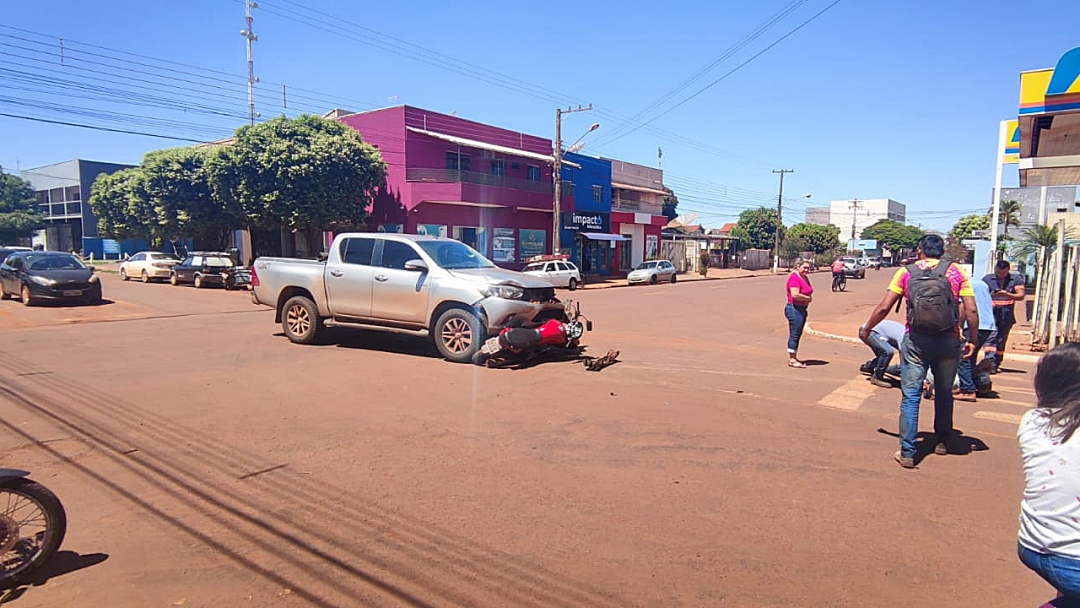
(178, 189)
(756, 228)
(1008, 214)
(120, 202)
(819, 239)
(1035, 238)
(670, 209)
(792, 248)
(893, 235)
(966, 225)
(18, 204)
(305, 173)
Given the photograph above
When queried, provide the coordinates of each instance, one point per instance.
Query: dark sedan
(37, 276)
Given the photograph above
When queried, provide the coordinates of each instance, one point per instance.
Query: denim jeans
(796, 318)
(884, 351)
(965, 369)
(918, 354)
(1063, 573)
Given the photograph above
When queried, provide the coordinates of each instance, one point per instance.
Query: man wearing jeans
(922, 351)
(965, 370)
(884, 340)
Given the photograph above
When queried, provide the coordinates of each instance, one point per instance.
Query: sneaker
(883, 383)
(962, 396)
(867, 367)
(905, 461)
(941, 449)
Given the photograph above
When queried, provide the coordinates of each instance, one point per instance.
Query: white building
(862, 213)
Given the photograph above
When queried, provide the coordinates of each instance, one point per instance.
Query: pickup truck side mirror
(417, 265)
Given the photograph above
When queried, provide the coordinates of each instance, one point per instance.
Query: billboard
(1012, 143)
(1052, 90)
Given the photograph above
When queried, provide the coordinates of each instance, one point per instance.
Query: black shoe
(867, 367)
(883, 383)
(941, 449)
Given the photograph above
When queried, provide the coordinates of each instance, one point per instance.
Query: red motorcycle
(557, 339)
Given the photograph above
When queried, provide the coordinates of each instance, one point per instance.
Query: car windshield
(646, 265)
(453, 255)
(53, 262)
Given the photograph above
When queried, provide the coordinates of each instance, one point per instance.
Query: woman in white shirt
(1049, 539)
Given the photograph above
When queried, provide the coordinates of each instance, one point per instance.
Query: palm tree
(1036, 238)
(1008, 214)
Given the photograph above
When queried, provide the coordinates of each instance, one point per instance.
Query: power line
(96, 128)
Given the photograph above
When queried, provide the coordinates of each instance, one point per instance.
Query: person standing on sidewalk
(1007, 288)
(965, 369)
(931, 288)
(1049, 537)
(799, 295)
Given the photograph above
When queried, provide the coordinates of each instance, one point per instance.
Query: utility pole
(251, 37)
(556, 207)
(779, 219)
(855, 204)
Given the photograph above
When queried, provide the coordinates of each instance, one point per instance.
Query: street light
(578, 145)
(556, 208)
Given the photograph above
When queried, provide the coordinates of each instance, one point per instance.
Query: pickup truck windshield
(453, 255)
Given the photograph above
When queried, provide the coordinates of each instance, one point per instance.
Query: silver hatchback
(652, 272)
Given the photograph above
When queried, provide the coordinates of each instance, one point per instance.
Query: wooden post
(1036, 312)
(1055, 303)
(1067, 285)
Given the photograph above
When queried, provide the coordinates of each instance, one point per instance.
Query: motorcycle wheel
(32, 526)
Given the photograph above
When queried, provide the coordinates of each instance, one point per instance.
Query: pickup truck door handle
(382, 278)
(336, 273)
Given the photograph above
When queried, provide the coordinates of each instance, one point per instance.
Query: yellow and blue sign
(1012, 143)
(1056, 90)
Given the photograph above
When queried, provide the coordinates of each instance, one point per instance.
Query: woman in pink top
(799, 295)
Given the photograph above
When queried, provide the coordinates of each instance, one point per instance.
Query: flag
(659, 152)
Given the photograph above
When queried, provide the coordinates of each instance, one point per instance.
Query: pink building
(488, 187)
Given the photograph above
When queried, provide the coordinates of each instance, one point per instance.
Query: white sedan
(653, 272)
(561, 274)
(147, 266)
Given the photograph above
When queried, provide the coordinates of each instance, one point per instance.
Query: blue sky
(872, 99)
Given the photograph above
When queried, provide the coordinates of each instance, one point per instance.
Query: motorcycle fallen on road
(555, 340)
(32, 525)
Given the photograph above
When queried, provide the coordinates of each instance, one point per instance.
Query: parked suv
(419, 285)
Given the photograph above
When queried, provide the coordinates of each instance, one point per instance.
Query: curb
(850, 340)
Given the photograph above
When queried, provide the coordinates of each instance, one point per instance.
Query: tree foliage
(18, 204)
(306, 173)
(1008, 214)
(670, 210)
(968, 224)
(893, 235)
(1035, 238)
(819, 239)
(757, 228)
(119, 202)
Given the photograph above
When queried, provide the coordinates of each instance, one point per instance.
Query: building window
(597, 194)
(457, 162)
(498, 167)
(71, 193)
(533, 173)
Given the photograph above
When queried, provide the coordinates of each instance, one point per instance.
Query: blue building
(586, 231)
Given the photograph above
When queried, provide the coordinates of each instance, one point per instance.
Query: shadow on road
(814, 362)
(958, 445)
(63, 304)
(229, 500)
(64, 562)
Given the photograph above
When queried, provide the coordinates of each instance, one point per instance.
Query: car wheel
(145, 277)
(27, 297)
(300, 320)
(198, 281)
(673, 279)
(123, 274)
(572, 285)
(173, 279)
(458, 334)
(652, 280)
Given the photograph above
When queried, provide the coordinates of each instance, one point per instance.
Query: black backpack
(932, 307)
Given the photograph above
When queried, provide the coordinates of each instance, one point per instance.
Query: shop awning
(602, 236)
(483, 145)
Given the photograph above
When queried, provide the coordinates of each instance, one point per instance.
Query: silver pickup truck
(419, 285)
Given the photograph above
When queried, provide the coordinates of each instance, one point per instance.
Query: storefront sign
(504, 245)
(533, 242)
(587, 220)
(431, 230)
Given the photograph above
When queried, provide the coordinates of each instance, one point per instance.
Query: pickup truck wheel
(458, 335)
(300, 320)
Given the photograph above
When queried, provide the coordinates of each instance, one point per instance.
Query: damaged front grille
(539, 295)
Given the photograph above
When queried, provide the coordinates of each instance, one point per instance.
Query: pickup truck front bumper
(499, 313)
